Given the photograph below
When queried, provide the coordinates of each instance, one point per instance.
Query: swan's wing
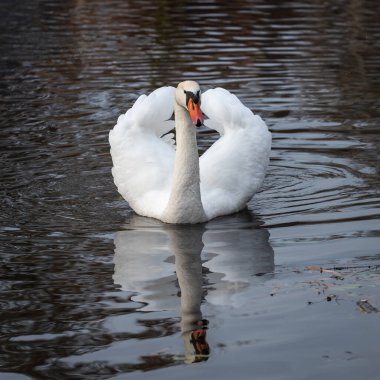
(233, 168)
(142, 159)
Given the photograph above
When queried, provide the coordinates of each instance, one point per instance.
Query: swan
(167, 180)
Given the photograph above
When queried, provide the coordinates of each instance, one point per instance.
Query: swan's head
(188, 95)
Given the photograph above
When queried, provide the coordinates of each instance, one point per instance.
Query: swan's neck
(185, 205)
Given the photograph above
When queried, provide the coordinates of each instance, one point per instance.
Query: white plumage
(144, 155)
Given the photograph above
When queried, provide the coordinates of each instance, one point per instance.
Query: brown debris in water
(325, 270)
(366, 307)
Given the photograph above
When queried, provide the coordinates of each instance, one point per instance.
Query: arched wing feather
(233, 168)
(142, 160)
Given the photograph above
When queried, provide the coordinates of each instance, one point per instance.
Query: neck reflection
(186, 244)
(235, 252)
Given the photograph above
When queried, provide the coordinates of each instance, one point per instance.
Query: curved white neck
(185, 205)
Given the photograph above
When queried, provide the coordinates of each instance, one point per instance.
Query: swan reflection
(212, 263)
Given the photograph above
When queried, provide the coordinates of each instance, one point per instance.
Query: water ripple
(68, 69)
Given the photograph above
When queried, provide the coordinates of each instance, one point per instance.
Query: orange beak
(195, 112)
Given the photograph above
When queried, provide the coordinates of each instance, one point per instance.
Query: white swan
(172, 183)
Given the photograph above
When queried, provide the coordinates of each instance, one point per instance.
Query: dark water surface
(89, 290)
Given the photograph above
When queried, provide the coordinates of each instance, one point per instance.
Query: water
(89, 290)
